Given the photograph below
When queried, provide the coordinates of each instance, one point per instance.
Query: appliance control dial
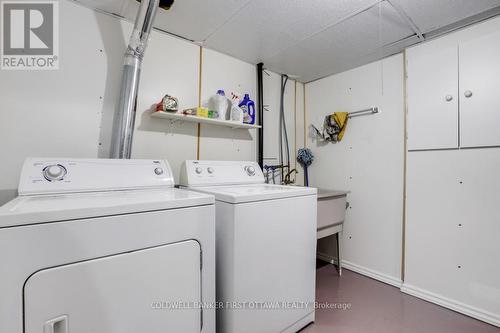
(210, 170)
(250, 170)
(54, 172)
(198, 170)
(159, 171)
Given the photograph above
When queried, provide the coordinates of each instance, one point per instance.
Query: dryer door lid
(94, 295)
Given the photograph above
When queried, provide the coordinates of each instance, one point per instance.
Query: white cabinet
(480, 91)
(453, 93)
(432, 97)
(118, 294)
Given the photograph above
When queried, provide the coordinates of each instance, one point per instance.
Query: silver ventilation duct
(124, 119)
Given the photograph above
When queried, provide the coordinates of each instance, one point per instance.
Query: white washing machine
(265, 245)
(106, 246)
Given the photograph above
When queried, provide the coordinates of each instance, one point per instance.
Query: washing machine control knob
(54, 172)
(198, 170)
(250, 170)
(210, 170)
(159, 171)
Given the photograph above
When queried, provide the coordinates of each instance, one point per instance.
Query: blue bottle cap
(221, 92)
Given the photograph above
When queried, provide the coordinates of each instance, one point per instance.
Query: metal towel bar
(363, 112)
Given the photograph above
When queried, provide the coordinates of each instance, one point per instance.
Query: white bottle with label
(236, 113)
(219, 103)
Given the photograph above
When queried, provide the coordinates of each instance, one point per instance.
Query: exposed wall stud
(295, 127)
(305, 115)
(405, 164)
(198, 134)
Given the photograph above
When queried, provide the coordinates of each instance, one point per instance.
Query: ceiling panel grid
(311, 39)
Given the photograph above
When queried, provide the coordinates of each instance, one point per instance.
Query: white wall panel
(224, 72)
(271, 84)
(452, 247)
(272, 96)
(72, 115)
(171, 66)
(300, 135)
(452, 199)
(289, 110)
(58, 113)
(368, 161)
(69, 112)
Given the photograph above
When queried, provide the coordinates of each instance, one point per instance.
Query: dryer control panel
(208, 173)
(52, 175)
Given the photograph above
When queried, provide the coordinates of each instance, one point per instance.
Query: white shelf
(201, 120)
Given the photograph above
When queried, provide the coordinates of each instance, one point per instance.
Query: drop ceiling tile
(344, 45)
(191, 19)
(265, 28)
(430, 15)
(302, 37)
(108, 6)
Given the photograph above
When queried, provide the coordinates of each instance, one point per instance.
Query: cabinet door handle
(448, 98)
(468, 93)
(56, 325)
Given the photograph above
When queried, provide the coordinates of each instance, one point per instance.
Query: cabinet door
(432, 97)
(480, 91)
(119, 294)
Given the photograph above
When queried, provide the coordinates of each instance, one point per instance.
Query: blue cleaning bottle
(248, 107)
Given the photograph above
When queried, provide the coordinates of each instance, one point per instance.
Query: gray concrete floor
(376, 307)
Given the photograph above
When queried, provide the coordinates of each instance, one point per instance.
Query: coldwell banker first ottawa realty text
(29, 35)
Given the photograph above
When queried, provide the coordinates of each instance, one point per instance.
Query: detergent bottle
(248, 107)
(220, 104)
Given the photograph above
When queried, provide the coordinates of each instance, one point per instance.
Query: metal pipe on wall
(260, 108)
(124, 118)
(283, 134)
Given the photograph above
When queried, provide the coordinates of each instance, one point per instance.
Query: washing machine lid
(34, 209)
(255, 192)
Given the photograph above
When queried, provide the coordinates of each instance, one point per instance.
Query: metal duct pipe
(124, 119)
